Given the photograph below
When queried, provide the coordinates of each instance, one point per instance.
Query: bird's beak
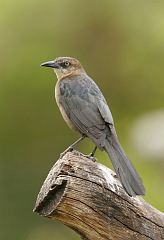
(51, 64)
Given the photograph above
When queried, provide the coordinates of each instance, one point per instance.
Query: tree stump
(88, 197)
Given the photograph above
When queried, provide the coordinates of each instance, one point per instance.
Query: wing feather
(86, 107)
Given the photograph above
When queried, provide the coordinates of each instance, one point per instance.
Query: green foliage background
(121, 45)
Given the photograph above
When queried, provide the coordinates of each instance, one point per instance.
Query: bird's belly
(62, 110)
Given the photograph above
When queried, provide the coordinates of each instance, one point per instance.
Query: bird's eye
(65, 64)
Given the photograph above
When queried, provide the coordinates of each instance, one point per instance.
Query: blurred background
(121, 46)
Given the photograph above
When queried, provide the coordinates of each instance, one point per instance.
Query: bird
(85, 110)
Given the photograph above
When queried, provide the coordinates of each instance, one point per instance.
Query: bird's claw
(90, 156)
(69, 149)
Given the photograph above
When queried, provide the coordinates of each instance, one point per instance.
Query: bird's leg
(76, 142)
(93, 152)
(91, 155)
(70, 148)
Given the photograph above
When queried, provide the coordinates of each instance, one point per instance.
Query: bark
(88, 197)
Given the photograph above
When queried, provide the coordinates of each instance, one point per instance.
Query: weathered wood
(88, 197)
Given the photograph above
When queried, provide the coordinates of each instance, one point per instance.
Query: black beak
(51, 64)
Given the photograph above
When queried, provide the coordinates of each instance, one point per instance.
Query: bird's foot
(90, 156)
(69, 149)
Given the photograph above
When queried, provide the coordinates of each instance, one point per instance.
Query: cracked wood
(88, 197)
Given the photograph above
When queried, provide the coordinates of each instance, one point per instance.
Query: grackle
(85, 110)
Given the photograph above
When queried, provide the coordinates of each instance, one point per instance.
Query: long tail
(124, 169)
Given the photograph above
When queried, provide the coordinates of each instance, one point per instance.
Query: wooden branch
(88, 197)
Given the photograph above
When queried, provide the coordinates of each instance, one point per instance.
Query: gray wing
(84, 115)
(105, 111)
(86, 107)
(101, 102)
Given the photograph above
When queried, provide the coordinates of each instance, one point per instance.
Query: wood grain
(88, 197)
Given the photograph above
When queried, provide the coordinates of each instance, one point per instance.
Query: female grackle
(85, 110)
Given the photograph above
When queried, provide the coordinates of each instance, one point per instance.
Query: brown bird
(85, 110)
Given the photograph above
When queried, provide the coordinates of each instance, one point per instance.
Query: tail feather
(124, 169)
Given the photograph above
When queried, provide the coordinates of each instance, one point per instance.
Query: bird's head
(65, 66)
